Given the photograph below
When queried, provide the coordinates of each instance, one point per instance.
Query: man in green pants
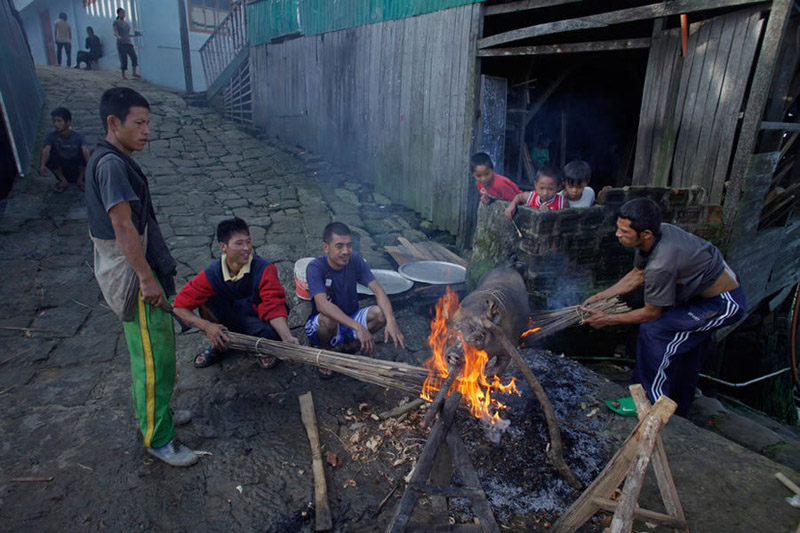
(134, 267)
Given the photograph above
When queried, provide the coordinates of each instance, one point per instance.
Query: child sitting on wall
(491, 185)
(545, 195)
(576, 184)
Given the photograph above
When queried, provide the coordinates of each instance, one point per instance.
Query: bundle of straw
(399, 376)
(545, 323)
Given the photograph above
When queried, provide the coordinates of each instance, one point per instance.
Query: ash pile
(523, 489)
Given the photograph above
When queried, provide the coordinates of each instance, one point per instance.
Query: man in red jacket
(239, 292)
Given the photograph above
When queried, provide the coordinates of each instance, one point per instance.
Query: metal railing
(228, 39)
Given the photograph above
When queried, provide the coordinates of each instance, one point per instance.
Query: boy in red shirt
(544, 196)
(491, 185)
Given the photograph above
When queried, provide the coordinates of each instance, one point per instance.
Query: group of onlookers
(94, 48)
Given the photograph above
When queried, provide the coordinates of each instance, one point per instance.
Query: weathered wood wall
(391, 101)
(767, 260)
(690, 106)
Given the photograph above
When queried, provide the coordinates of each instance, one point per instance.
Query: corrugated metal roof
(268, 19)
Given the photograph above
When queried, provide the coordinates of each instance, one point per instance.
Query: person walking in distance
(122, 31)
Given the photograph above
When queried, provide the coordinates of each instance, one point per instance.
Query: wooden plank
(323, 521)
(644, 515)
(783, 126)
(757, 100)
(664, 124)
(666, 483)
(705, 153)
(733, 96)
(602, 20)
(480, 505)
(524, 5)
(692, 90)
(644, 135)
(566, 48)
(690, 130)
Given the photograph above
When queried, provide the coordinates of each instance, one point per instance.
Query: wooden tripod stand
(630, 464)
(444, 450)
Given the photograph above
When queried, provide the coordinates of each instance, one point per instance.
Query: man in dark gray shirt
(689, 292)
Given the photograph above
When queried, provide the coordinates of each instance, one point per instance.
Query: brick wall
(573, 253)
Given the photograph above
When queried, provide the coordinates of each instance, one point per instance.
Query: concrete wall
(573, 253)
(159, 48)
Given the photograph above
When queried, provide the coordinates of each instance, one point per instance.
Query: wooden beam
(566, 48)
(785, 126)
(756, 103)
(524, 5)
(644, 515)
(602, 20)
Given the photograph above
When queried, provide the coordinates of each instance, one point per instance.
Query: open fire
(472, 383)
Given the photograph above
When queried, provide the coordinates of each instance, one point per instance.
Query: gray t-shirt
(67, 147)
(108, 187)
(679, 267)
(124, 31)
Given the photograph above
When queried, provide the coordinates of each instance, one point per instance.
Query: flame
(473, 383)
(528, 332)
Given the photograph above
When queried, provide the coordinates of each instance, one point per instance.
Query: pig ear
(492, 313)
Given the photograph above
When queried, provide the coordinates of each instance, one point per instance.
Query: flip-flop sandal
(267, 362)
(325, 373)
(210, 356)
(622, 406)
(60, 188)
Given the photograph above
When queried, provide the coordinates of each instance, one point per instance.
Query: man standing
(122, 31)
(134, 267)
(65, 152)
(63, 35)
(239, 292)
(336, 320)
(689, 292)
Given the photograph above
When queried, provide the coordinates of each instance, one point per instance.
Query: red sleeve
(195, 293)
(506, 188)
(273, 299)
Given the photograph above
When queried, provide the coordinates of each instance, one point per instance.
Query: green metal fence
(271, 19)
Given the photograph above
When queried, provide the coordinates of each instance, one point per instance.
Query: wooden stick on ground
(556, 452)
(453, 372)
(402, 409)
(323, 521)
(32, 479)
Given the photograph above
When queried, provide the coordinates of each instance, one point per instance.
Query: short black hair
(644, 214)
(62, 16)
(481, 159)
(228, 227)
(577, 172)
(548, 171)
(118, 101)
(89, 30)
(62, 112)
(335, 228)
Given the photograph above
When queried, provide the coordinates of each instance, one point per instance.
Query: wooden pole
(186, 53)
(323, 520)
(556, 451)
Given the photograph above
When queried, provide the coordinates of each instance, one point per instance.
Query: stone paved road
(65, 385)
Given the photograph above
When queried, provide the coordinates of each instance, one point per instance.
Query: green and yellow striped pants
(151, 343)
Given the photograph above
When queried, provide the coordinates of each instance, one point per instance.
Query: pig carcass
(500, 297)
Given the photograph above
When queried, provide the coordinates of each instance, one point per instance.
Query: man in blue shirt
(336, 321)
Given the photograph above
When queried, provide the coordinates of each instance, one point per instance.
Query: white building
(158, 46)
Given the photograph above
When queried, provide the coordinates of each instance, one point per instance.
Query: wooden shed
(669, 94)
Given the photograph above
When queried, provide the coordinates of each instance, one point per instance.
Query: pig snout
(454, 352)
